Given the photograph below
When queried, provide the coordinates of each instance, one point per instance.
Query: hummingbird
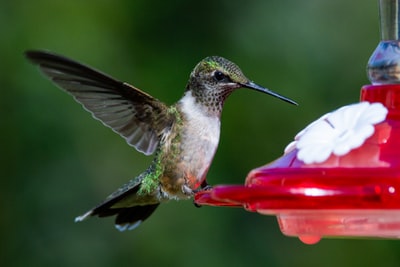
(183, 137)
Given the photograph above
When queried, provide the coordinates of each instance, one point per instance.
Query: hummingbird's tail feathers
(84, 216)
(127, 218)
(130, 218)
(124, 227)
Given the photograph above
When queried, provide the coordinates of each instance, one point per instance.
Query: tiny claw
(204, 187)
(197, 205)
(204, 184)
(207, 187)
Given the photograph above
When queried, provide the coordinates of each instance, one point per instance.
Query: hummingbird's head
(214, 78)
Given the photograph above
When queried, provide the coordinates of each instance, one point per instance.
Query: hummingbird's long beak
(254, 86)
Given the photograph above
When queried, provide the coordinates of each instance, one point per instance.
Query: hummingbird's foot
(203, 187)
(206, 188)
(204, 184)
(197, 205)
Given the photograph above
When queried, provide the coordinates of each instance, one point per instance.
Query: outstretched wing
(135, 115)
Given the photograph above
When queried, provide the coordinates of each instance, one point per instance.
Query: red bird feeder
(341, 174)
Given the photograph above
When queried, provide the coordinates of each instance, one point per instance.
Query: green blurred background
(57, 161)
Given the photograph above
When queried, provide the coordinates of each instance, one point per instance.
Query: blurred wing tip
(83, 217)
(128, 226)
(35, 55)
(31, 53)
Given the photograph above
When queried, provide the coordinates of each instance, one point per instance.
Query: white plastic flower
(337, 132)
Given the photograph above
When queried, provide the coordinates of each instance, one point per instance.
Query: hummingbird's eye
(219, 76)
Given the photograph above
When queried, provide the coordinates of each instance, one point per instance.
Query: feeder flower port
(337, 132)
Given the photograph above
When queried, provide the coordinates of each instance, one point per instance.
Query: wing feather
(138, 117)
